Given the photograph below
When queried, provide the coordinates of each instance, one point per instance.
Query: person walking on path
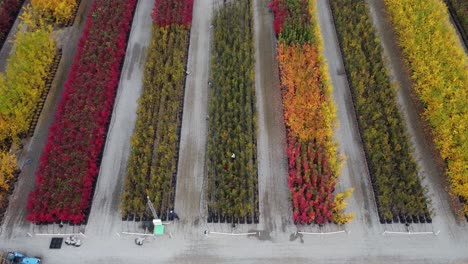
(173, 215)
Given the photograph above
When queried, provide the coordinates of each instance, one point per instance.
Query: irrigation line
(411, 233)
(323, 233)
(57, 234)
(137, 234)
(207, 232)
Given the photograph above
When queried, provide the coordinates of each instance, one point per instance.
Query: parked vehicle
(18, 258)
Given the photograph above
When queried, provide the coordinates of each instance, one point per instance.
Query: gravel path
(274, 196)
(105, 216)
(191, 169)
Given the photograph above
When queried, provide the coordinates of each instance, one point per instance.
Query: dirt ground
(274, 239)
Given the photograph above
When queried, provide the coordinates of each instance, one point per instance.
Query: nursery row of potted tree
(231, 151)
(438, 65)
(70, 160)
(24, 87)
(152, 165)
(309, 115)
(394, 174)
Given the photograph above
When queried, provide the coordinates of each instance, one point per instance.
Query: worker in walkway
(173, 215)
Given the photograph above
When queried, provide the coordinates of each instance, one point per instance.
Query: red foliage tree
(69, 162)
(168, 12)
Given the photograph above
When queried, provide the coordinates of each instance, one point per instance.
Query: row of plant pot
(387, 146)
(165, 216)
(214, 217)
(153, 162)
(232, 176)
(45, 93)
(70, 22)
(403, 219)
(71, 158)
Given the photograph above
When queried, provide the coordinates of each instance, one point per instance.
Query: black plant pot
(137, 218)
(242, 220)
(215, 218)
(428, 218)
(409, 219)
(422, 219)
(395, 219)
(256, 219)
(209, 219)
(124, 218)
(228, 219)
(130, 217)
(249, 219)
(222, 219)
(381, 219)
(415, 219)
(402, 219)
(388, 220)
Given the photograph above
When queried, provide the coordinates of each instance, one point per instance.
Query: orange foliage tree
(56, 10)
(303, 98)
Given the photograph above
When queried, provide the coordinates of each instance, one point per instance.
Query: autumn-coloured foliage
(22, 85)
(69, 163)
(8, 11)
(170, 12)
(152, 165)
(397, 189)
(7, 170)
(309, 115)
(24, 80)
(439, 71)
(292, 21)
(311, 182)
(56, 10)
(305, 104)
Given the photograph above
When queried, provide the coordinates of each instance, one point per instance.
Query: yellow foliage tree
(24, 80)
(439, 68)
(58, 11)
(339, 217)
(7, 169)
